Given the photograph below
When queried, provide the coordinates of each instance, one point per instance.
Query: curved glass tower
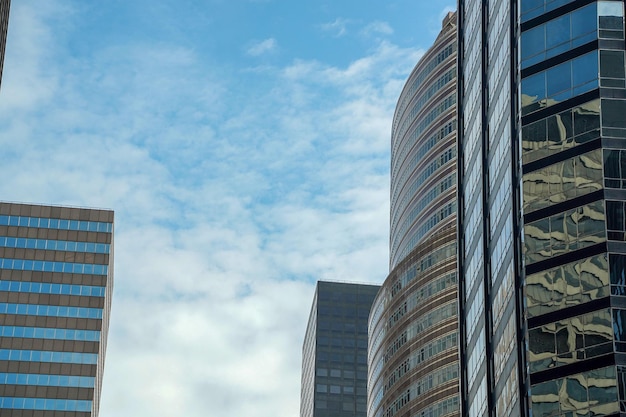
(413, 363)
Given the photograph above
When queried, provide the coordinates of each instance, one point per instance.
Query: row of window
(409, 194)
(50, 333)
(433, 348)
(420, 325)
(560, 83)
(47, 380)
(423, 99)
(421, 265)
(48, 356)
(425, 147)
(425, 228)
(562, 181)
(424, 73)
(422, 386)
(588, 393)
(60, 245)
(16, 403)
(560, 131)
(567, 231)
(422, 294)
(566, 285)
(423, 200)
(533, 8)
(570, 30)
(46, 288)
(45, 223)
(570, 340)
(51, 266)
(407, 143)
(51, 311)
(334, 389)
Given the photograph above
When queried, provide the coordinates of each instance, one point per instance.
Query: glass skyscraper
(334, 352)
(542, 243)
(4, 25)
(56, 283)
(413, 326)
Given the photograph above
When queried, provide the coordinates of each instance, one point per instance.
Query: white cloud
(229, 204)
(380, 28)
(262, 47)
(338, 27)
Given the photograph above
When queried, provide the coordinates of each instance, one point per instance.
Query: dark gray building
(56, 283)
(542, 243)
(334, 352)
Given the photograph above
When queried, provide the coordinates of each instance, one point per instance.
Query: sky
(244, 146)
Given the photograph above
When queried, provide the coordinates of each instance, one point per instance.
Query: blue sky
(244, 146)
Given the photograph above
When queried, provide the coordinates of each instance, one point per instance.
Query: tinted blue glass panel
(44, 333)
(55, 224)
(49, 266)
(51, 311)
(17, 403)
(48, 356)
(45, 288)
(534, 8)
(47, 380)
(60, 245)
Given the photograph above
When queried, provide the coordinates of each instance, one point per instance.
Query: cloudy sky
(244, 146)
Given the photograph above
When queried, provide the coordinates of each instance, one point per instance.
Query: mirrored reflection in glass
(588, 393)
(560, 132)
(567, 285)
(573, 229)
(570, 340)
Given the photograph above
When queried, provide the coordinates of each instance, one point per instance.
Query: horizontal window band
(44, 380)
(48, 356)
(44, 333)
(51, 311)
(19, 403)
(51, 266)
(59, 245)
(45, 288)
(60, 224)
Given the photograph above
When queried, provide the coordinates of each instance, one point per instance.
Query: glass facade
(4, 25)
(334, 353)
(413, 329)
(541, 207)
(56, 283)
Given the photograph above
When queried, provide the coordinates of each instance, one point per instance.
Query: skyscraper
(542, 136)
(4, 25)
(334, 353)
(56, 283)
(413, 355)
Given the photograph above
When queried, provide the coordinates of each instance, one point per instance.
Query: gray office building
(56, 283)
(334, 352)
(541, 208)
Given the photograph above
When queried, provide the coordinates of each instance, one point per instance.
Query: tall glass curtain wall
(573, 115)
(56, 280)
(489, 346)
(543, 111)
(413, 326)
